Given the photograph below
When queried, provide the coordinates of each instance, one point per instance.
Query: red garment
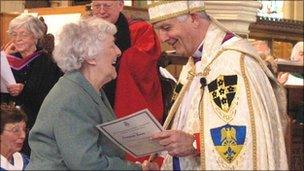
(138, 84)
(19, 63)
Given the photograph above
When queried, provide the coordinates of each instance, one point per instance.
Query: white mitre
(163, 10)
(167, 9)
(230, 16)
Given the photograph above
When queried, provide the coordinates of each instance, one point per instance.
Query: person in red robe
(137, 85)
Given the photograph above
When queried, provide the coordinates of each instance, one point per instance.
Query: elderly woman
(13, 130)
(65, 136)
(34, 71)
(287, 78)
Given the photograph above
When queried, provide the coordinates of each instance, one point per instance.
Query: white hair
(296, 50)
(80, 41)
(184, 17)
(29, 22)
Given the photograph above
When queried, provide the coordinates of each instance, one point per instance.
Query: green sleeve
(79, 144)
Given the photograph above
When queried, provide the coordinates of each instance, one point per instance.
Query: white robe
(268, 117)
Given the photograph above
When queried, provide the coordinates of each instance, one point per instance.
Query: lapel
(99, 99)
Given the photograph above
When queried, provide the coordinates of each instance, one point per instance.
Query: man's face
(107, 10)
(178, 34)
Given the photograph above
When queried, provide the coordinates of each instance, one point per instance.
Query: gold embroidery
(172, 14)
(178, 100)
(250, 105)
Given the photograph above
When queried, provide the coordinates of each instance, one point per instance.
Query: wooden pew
(295, 134)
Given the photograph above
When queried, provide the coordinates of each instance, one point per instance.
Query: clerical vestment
(236, 112)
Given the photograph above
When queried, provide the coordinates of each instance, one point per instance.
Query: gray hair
(296, 50)
(202, 15)
(80, 41)
(29, 22)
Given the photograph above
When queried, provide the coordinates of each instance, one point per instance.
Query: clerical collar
(198, 53)
(199, 50)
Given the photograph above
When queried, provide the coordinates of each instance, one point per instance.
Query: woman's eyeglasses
(16, 130)
(23, 35)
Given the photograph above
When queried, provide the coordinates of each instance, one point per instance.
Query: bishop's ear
(195, 18)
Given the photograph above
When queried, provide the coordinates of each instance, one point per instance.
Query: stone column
(234, 15)
(293, 10)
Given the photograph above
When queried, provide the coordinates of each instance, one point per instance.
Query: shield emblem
(228, 141)
(223, 92)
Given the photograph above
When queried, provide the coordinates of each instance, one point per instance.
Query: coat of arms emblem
(223, 92)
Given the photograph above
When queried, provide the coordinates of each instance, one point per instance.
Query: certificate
(7, 76)
(132, 133)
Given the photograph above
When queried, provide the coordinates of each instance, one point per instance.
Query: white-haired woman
(64, 136)
(34, 71)
(294, 78)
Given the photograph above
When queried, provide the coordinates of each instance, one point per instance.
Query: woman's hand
(9, 48)
(146, 165)
(282, 77)
(15, 89)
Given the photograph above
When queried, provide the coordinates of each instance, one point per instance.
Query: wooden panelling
(5, 19)
(281, 49)
(266, 28)
(295, 132)
(36, 4)
(59, 10)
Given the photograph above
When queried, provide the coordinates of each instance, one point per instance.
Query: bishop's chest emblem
(223, 91)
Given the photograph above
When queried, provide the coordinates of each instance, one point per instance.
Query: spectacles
(105, 6)
(17, 129)
(22, 35)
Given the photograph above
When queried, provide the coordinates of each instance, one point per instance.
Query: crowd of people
(228, 108)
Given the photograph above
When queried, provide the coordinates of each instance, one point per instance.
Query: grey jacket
(64, 136)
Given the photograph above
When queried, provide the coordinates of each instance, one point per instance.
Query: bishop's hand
(177, 143)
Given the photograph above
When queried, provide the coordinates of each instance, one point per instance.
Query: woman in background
(13, 132)
(34, 71)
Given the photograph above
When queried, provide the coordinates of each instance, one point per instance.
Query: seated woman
(293, 78)
(65, 136)
(13, 130)
(34, 71)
